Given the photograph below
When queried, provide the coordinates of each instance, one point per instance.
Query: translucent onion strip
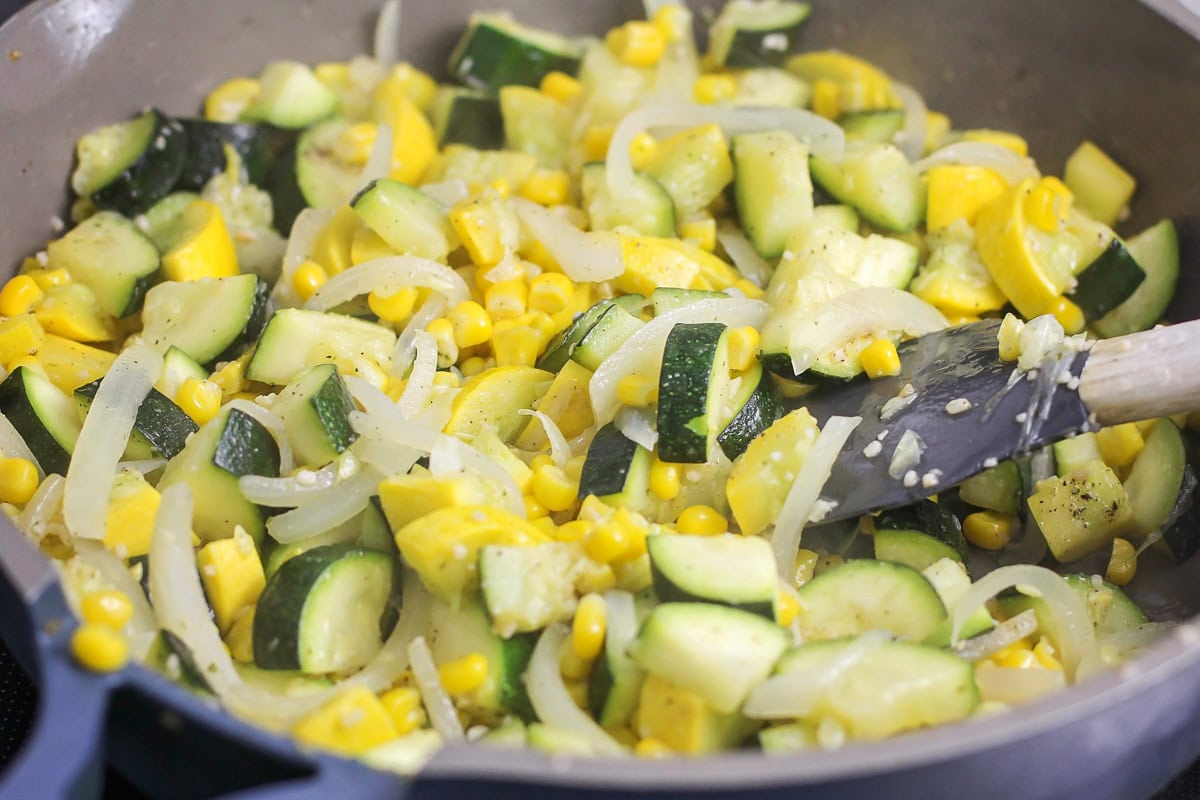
(1013, 686)
(450, 456)
(143, 466)
(753, 267)
(386, 44)
(379, 162)
(387, 276)
(911, 136)
(442, 714)
(583, 256)
(404, 434)
(349, 498)
(303, 487)
(12, 445)
(274, 425)
(638, 425)
(999, 637)
(824, 138)
(305, 230)
(642, 353)
(403, 353)
(386, 457)
(802, 497)
(112, 568)
(551, 700)
(1012, 167)
(102, 440)
(560, 450)
(42, 507)
(796, 693)
(1077, 640)
(419, 386)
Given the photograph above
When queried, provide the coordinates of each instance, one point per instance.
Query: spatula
(970, 412)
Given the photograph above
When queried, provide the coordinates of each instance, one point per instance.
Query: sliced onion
(379, 162)
(861, 312)
(560, 451)
(387, 458)
(638, 425)
(806, 489)
(305, 486)
(438, 704)
(448, 192)
(1077, 640)
(824, 138)
(911, 136)
(387, 276)
(403, 353)
(1120, 646)
(753, 267)
(387, 33)
(450, 456)
(392, 659)
(583, 256)
(999, 637)
(103, 437)
(551, 700)
(143, 466)
(274, 425)
(1012, 167)
(42, 507)
(113, 569)
(677, 70)
(1013, 686)
(419, 387)
(642, 353)
(796, 693)
(12, 445)
(305, 230)
(349, 498)
(404, 433)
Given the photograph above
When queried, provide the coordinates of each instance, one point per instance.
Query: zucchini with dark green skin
(560, 348)
(160, 429)
(878, 180)
(1107, 282)
(930, 518)
(315, 409)
(211, 320)
(45, 417)
(257, 145)
(730, 569)
(114, 259)
(1156, 250)
(410, 221)
(692, 389)
(772, 187)
(614, 326)
(877, 125)
(756, 33)
(496, 51)
(468, 116)
(756, 405)
(645, 206)
(129, 166)
(616, 469)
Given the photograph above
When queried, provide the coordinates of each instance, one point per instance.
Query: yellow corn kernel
(446, 378)
(561, 86)
(639, 391)
(501, 187)
(99, 648)
(464, 675)
(49, 278)
(471, 324)
(354, 144)
(106, 607)
(553, 489)
(642, 150)
(787, 607)
(442, 331)
(637, 43)
(307, 278)
(472, 366)
(1005, 139)
(665, 479)
(351, 724)
(880, 359)
(606, 542)
(227, 102)
(574, 531)
(636, 530)
(541, 461)
(18, 480)
(1122, 564)
(533, 509)
(20, 336)
(827, 98)
(651, 747)
(743, 348)
(748, 289)
(19, 296)
(1120, 444)
(550, 292)
(515, 344)
(989, 530)
(545, 525)
(701, 230)
(396, 307)
(595, 142)
(701, 520)
(199, 399)
(506, 299)
(714, 88)
(1044, 653)
(1009, 337)
(806, 565)
(547, 187)
(670, 19)
(1048, 205)
(1018, 655)
(589, 627)
(1067, 313)
(403, 707)
(571, 666)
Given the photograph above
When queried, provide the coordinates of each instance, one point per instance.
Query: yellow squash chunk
(763, 474)
(227, 102)
(683, 721)
(1082, 512)
(443, 547)
(414, 144)
(232, 574)
(1010, 141)
(954, 278)
(19, 336)
(493, 400)
(70, 364)
(863, 85)
(566, 402)
(331, 248)
(652, 262)
(351, 724)
(240, 636)
(479, 225)
(959, 192)
(488, 443)
(1120, 444)
(367, 245)
(69, 310)
(409, 497)
(129, 523)
(203, 248)
(1101, 186)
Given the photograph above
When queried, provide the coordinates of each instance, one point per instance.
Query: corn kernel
(1122, 564)
(442, 331)
(227, 102)
(805, 565)
(446, 378)
(18, 480)
(1069, 315)
(47, 279)
(516, 345)
(988, 530)
(606, 543)
(473, 366)
(99, 648)
(701, 520)
(396, 307)
(743, 348)
(1043, 652)
(574, 531)
(637, 43)
(650, 747)
(106, 607)
(1120, 444)
(464, 675)
(665, 479)
(19, 296)
(702, 231)
(572, 667)
(354, 144)
(589, 627)
(670, 20)
(787, 607)
(880, 359)
(642, 150)
(639, 391)
(748, 289)
(553, 489)
(307, 278)
(541, 461)
(561, 86)
(199, 399)
(827, 98)
(1018, 655)
(534, 509)
(714, 88)
(1048, 205)
(595, 142)
(547, 187)
(471, 324)
(403, 707)
(231, 378)
(1010, 141)
(506, 299)
(550, 292)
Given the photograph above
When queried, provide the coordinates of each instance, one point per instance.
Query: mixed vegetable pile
(506, 440)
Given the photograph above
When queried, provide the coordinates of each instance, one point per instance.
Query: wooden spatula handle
(1150, 374)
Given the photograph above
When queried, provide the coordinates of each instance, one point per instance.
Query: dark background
(18, 697)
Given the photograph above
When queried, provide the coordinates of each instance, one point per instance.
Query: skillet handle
(334, 777)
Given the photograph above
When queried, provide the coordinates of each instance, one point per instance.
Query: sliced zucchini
(468, 117)
(211, 319)
(996, 489)
(616, 469)
(694, 167)
(465, 630)
(949, 577)
(1075, 453)
(772, 187)
(256, 145)
(323, 610)
(928, 517)
(459, 162)
(107, 253)
(693, 386)
(315, 409)
(1082, 512)
(291, 96)
(878, 181)
(296, 338)
(537, 124)
(646, 206)
(178, 366)
(836, 216)
(864, 595)
(616, 679)
(44, 415)
(730, 569)
(876, 125)
(497, 51)
(1156, 250)
(410, 221)
(162, 220)
(130, 166)
(1156, 478)
(227, 447)
(1107, 282)
(721, 653)
(755, 33)
(666, 299)
(756, 405)
(772, 88)
(323, 178)
(160, 429)
(527, 588)
(1109, 608)
(560, 348)
(606, 336)
(911, 548)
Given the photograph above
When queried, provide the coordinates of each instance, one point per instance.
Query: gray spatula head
(957, 368)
